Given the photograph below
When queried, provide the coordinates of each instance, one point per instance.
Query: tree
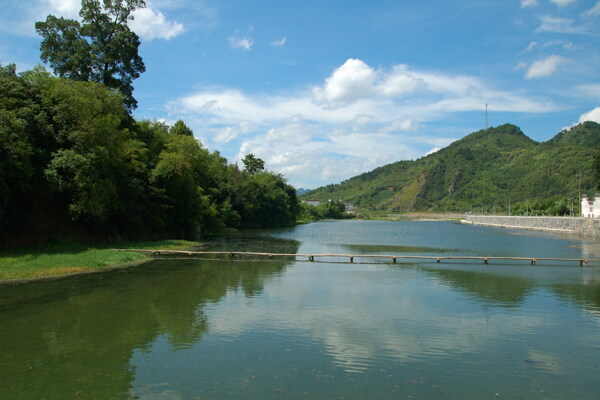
(253, 164)
(180, 128)
(102, 48)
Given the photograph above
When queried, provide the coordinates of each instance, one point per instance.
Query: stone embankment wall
(588, 226)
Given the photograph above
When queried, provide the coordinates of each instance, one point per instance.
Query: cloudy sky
(324, 90)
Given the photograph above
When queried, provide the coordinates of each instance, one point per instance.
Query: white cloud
(591, 90)
(593, 12)
(358, 118)
(401, 125)
(593, 115)
(64, 8)
(529, 3)
(562, 3)
(352, 81)
(521, 65)
(228, 133)
(559, 25)
(240, 42)
(279, 43)
(546, 67)
(531, 46)
(151, 24)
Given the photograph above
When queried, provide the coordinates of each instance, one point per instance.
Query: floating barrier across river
(583, 262)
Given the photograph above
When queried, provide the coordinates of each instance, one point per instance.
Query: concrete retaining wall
(588, 226)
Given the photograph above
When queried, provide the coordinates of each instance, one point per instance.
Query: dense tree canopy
(74, 163)
(101, 48)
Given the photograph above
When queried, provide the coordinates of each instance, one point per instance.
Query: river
(187, 328)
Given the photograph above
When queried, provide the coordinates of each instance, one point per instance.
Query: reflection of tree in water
(507, 291)
(393, 250)
(74, 338)
(586, 295)
(252, 241)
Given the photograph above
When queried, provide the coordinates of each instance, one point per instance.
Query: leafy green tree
(101, 49)
(253, 164)
(332, 210)
(25, 144)
(90, 171)
(266, 201)
(180, 128)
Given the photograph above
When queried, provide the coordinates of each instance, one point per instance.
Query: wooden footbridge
(583, 262)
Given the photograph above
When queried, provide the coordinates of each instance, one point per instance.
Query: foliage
(487, 171)
(75, 164)
(253, 164)
(325, 210)
(180, 128)
(596, 169)
(266, 201)
(101, 49)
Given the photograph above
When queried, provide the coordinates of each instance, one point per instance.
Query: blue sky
(325, 90)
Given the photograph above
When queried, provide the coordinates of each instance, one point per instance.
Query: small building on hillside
(313, 203)
(590, 206)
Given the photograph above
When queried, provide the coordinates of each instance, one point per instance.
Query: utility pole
(580, 210)
(572, 211)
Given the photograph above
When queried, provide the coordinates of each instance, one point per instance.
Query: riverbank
(585, 226)
(424, 216)
(61, 260)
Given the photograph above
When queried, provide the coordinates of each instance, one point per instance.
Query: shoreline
(572, 225)
(59, 261)
(48, 278)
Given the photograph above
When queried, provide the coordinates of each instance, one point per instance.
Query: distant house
(313, 202)
(590, 206)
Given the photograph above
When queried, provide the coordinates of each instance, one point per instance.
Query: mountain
(490, 168)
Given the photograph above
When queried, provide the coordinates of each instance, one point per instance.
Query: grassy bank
(69, 258)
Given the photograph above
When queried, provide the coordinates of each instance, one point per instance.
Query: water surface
(287, 329)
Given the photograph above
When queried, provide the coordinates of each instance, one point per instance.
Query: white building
(590, 206)
(313, 203)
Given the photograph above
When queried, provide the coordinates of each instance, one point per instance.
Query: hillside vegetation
(487, 171)
(74, 164)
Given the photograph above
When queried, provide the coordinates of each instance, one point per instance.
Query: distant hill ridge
(486, 169)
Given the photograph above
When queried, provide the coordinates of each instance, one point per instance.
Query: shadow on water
(74, 338)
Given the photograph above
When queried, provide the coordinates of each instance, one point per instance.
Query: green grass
(68, 258)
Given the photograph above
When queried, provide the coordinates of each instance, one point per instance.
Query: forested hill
(485, 171)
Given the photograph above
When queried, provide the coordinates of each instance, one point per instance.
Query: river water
(292, 329)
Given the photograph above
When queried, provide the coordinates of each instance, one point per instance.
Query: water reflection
(506, 291)
(75, 338)
(221, 329)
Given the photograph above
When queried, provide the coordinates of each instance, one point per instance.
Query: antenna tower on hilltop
(486, 116)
